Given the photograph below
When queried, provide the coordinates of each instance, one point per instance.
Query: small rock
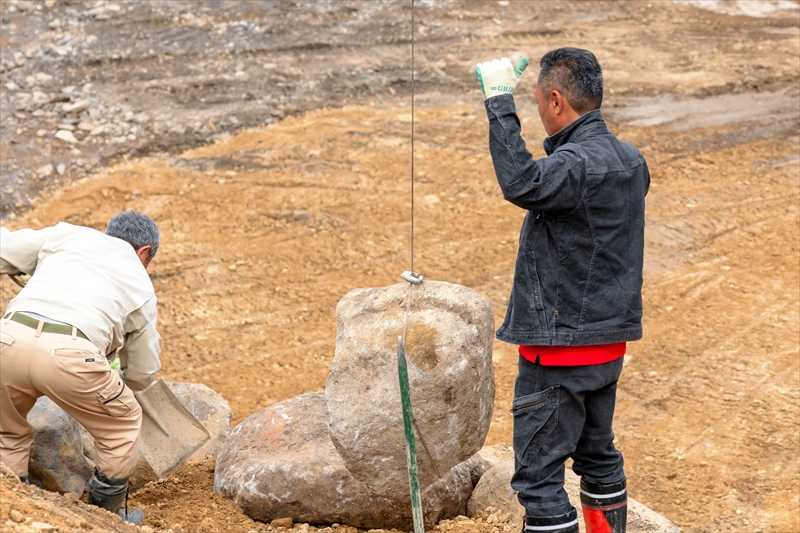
(16, 516)
(87, 126)
(77, 107)
(45, 171)
(177, 528)
(54, 24)
(43, 77)
(282, 522)
(41, 133)
(61, 168)
(99, 130)
(43, 527)
(66, 136)
(11, 86)
(68, 127)
(71, 497)
(40, 98)
(141, 118)
(494, 490)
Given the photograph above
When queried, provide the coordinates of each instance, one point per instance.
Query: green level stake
(411, 449)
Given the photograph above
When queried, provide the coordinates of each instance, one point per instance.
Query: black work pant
(561, 412)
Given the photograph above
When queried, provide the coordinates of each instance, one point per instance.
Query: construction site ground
(269, 219)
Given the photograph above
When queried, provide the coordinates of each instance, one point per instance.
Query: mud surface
(264, 229)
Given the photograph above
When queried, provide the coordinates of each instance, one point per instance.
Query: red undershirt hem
(595, 354)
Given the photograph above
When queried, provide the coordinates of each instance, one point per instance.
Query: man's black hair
(137, 229)
(576, 74)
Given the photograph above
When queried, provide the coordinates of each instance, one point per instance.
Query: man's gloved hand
(499, 76)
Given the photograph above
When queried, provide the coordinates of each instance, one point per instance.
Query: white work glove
(499, 76)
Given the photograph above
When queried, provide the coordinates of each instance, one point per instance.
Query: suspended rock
(494, 490)
(449, 353)
(56, 462)
(281, 463)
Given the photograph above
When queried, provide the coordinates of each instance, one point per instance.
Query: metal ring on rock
(412, 277)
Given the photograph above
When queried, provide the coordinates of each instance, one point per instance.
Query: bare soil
(265, 229)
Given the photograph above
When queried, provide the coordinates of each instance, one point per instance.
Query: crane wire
(412, 135)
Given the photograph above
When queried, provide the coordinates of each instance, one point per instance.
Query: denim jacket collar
(586, 125)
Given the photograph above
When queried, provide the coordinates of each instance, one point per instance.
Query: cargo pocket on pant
(116, 398)
(535, 418)
(5, 341)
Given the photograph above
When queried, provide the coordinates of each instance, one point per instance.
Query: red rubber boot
(605, 507)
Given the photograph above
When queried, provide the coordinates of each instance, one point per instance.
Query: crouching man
(576, 299)
(89, 295)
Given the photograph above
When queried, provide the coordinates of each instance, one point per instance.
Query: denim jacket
(578, 276)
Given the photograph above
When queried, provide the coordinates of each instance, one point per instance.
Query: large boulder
(280, 462)
(449, 353)
(208, 407)
(56, 461)
(494, 490)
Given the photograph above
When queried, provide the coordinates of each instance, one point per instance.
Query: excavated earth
(271, 141)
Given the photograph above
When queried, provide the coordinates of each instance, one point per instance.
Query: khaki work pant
(73, 373)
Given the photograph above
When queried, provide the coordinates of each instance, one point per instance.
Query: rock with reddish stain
(280, 463)
(449, 353)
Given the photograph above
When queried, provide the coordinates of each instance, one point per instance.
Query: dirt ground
(265, 228)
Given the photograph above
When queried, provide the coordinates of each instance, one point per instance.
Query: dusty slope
(254, 260)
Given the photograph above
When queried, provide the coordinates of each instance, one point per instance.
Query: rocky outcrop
(56, 461)
(449, 349)
(494, 490)
(281, 463)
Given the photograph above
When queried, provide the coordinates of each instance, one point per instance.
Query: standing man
(89, 294)
(576, 299)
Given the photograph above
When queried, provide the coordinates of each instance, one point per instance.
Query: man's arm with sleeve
(19, 250)
(138, 357)
(553, 183)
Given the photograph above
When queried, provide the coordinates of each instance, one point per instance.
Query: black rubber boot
(550, 524)
(109, 493)
(605, 507)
